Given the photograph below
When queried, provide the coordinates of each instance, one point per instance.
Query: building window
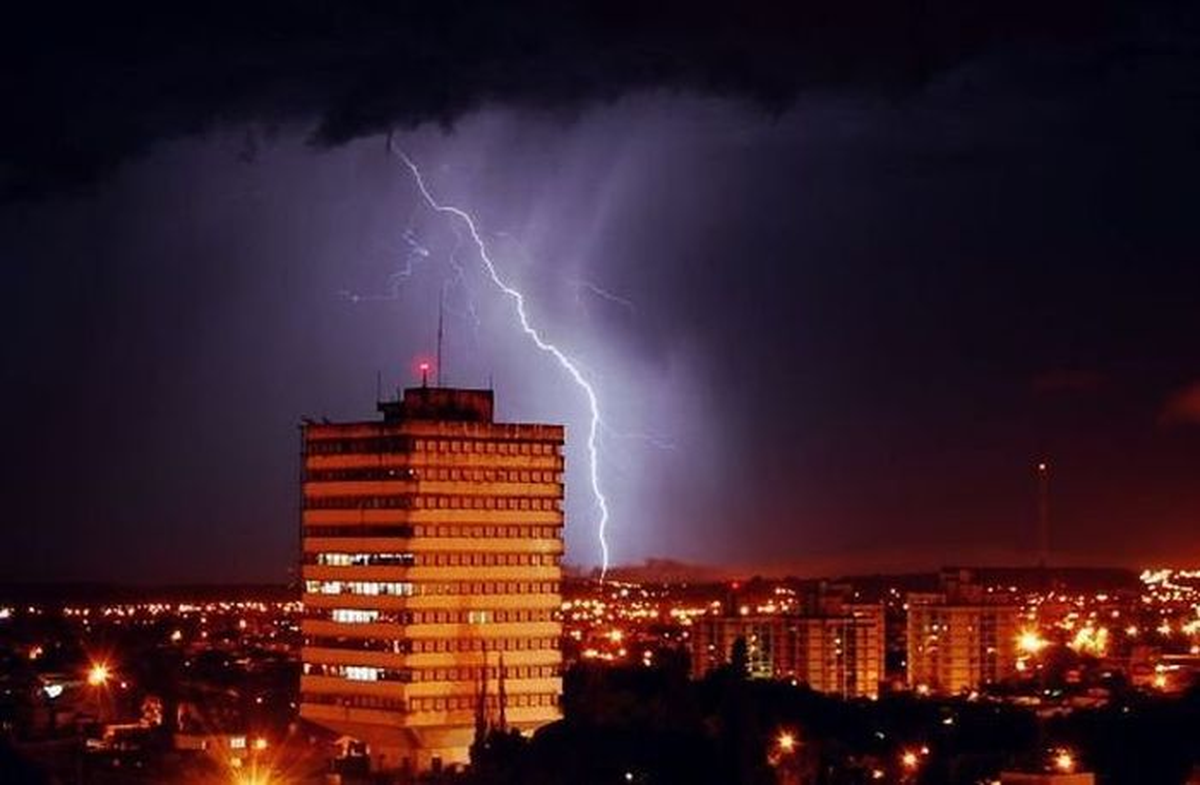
(353, 615)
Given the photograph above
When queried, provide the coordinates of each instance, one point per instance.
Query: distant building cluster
(958, 639)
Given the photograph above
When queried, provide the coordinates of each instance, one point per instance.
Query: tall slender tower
(432, 542)
(1043, 478)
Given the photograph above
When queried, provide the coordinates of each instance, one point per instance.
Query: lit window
(353, 615)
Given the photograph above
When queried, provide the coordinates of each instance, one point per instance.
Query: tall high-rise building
(431, 542)
(960, 639)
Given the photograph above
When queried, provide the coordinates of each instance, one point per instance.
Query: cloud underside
(89, 89)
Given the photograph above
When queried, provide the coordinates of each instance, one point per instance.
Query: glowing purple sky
(848, 329)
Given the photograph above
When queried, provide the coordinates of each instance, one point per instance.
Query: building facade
(958, 641)
(714, 637)
(840, 653)
(431, 548)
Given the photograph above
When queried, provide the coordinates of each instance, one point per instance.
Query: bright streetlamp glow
(1030, 642)
(787, 742)
(98, 674)
(1064, 761)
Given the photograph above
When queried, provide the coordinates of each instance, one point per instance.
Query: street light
(784, 756)
(254, 773)
(786, 742)
(254, 778)
(1064, 761)
(99, 674)
(1030, 642)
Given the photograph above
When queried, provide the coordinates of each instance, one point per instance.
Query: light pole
(784, 757)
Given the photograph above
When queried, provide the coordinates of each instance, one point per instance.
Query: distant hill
(660, 571)
(675, 572)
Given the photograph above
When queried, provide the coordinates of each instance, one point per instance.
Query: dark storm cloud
(90, 87)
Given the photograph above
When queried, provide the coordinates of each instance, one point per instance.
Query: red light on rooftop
(425, 369)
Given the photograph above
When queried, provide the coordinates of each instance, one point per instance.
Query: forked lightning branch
(538, 339)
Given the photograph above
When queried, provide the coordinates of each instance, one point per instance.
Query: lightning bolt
(535, 335)
(416, 252)
(605, 294)
(460, 278)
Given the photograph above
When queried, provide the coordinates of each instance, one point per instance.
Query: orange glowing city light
(1031, 642)
(1064, 761)
(786, 741)
(98, 675)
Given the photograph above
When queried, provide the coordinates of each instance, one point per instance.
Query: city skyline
(526, 393)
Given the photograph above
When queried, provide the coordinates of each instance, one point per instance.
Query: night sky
(841, 277)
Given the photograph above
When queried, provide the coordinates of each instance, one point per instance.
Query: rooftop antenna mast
(441, 309)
